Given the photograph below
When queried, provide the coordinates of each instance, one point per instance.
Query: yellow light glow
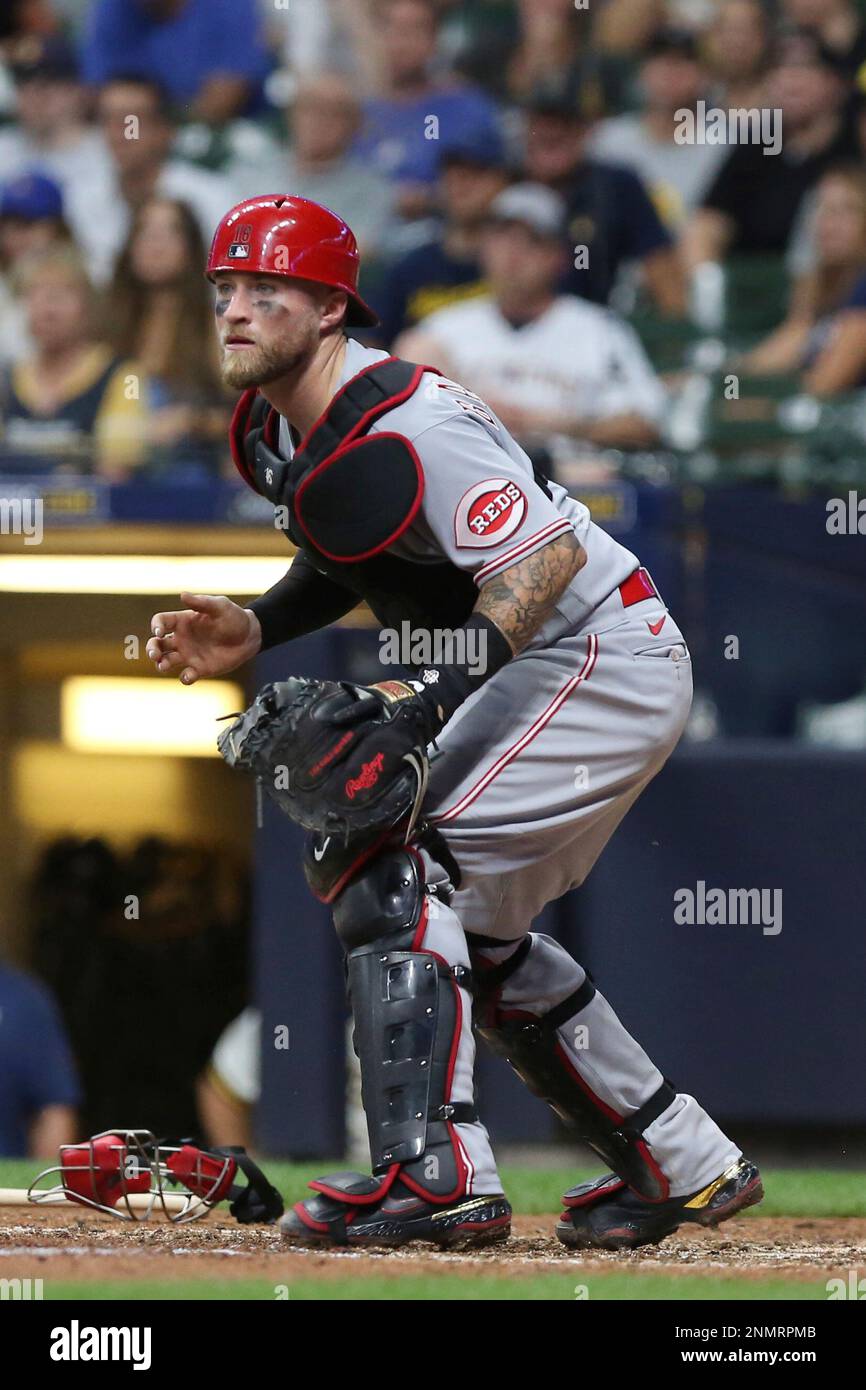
(108, 714)
(139, 574)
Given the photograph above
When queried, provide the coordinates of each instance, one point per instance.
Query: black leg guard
(406, 1011)
(416, 1050)
(532, 1048)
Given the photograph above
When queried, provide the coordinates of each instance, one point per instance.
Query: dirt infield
(83, 1246)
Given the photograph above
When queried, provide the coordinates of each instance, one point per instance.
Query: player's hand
(210, 637)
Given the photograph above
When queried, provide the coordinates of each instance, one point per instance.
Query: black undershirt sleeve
(303, 601)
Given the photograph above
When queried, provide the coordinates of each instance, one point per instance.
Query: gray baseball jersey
(482, 508)
(540, 764)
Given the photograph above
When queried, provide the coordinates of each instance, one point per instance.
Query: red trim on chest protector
(375, 410)
(398, 530)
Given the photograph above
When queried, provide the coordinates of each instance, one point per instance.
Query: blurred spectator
(161, 316)
(323, 119)
(39, 1089)
(824, 335)
(625, 27)
(31, 220)
(548, 364)
(139, 129)
(71, 399)
(513, 49)
(753, 202)
(209, 55)
(331, 36)
(21, 23)
(51, 131)
(611, 217)
(230, 1086)
(677, 175)
(736, 50)
(21, 18)
(405, 122)
(177, 968)
(445, 270)
(839, 24)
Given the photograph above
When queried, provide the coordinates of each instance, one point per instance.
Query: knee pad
(386, 899)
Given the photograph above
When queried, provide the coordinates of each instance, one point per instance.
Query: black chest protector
(345, 496)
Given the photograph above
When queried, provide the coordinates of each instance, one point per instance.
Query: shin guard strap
(535, 1052)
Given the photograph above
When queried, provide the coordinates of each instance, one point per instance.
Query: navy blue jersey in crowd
(422, 281)
(611, 213)
(36, 1065)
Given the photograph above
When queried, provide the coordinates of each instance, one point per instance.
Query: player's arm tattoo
(520, 599)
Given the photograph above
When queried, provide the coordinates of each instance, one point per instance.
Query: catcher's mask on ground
(128, 1173)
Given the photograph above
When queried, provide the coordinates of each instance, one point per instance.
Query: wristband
(443, 688)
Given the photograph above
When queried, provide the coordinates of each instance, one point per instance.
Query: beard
(264, 363)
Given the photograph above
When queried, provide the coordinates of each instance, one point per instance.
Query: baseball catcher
(446, 805)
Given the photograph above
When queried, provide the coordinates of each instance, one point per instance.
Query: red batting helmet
(279, 234)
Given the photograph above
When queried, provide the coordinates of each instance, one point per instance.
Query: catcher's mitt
(342, 760)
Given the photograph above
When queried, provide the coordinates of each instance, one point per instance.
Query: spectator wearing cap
(549, 364)
(138, 125)
(736, 51)
(672, 79)
(209, 55)
(31, 222)
(70, 400)
(39, 1087)
(322, 120)
(445, 270)
(51, 131)
(612, 222)
(31, 217)
(753, 202)
(414, 111)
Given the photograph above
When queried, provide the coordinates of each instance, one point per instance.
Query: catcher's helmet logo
(239, 250)
(489, 512)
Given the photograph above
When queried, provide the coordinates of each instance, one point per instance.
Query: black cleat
(607, 1215)
(394, 1219)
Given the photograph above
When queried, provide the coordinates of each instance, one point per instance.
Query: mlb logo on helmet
(239, 249)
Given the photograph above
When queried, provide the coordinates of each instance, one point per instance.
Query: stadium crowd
(597, 214)
(535, 211)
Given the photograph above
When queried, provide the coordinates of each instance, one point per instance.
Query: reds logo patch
(489, 512)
